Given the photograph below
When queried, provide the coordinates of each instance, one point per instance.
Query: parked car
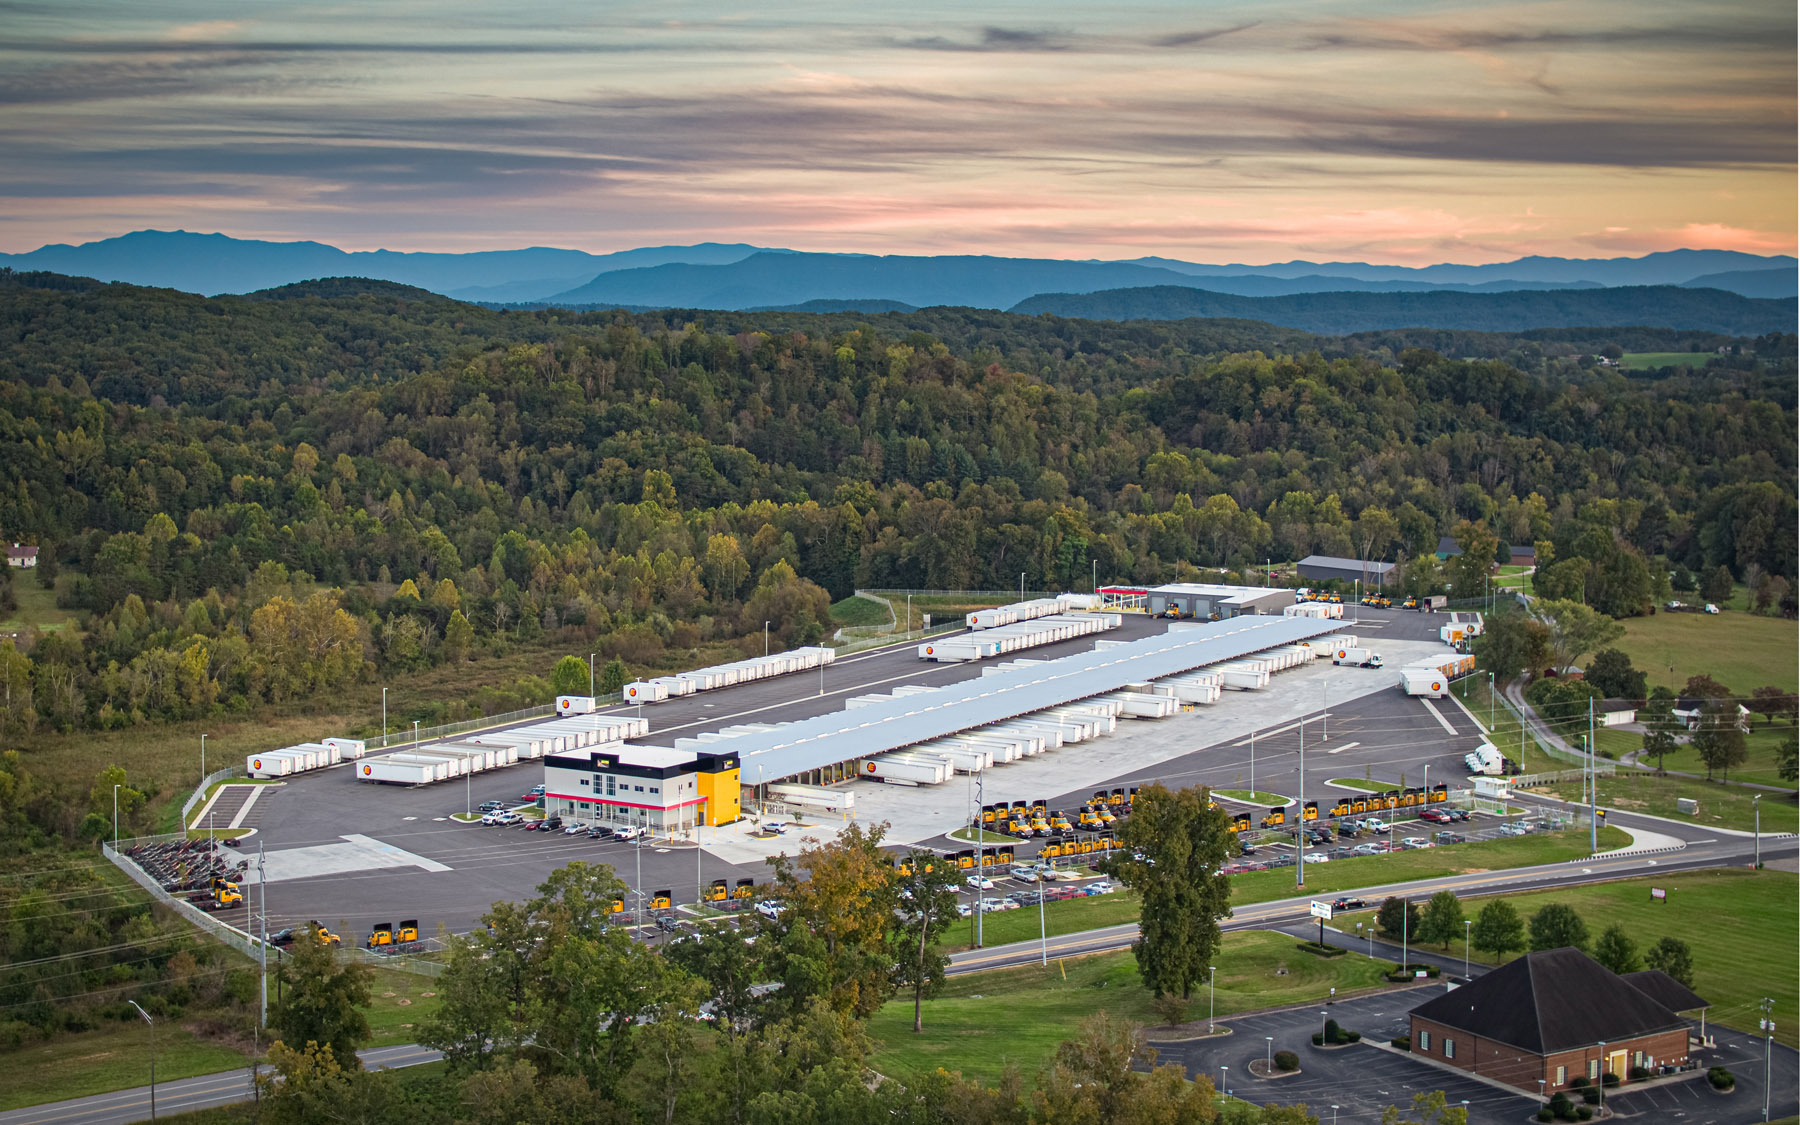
(574, 828)
(627, 832)
(1433, 816)
(769, 908)
(1348, 904)
(1414, 843)
(1025, 873)
(1348, 829)
(1378, 826)
(1100, 887)
(980, 882)
(1457, 814)
(490, 806)
(964, 909)
(551, 823)
(533, 794)
(1451, 838)
(598, 832)
(1317, 857)
(1513, 828)
(1366, 849)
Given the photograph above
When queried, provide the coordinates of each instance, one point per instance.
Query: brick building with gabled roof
(1553, 1016)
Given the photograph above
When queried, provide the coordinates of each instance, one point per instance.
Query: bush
(1332, 1034)
(1320, 949)
(1579, 1082)
(1639, 1073)
(1287, 1060)
(1584, 1113)
(1318, 1040)
(1401, 1042)
(1545, 1114)
(1720, 1078)
(1590, 1095)
(1352, 1037)
(1609, 1080)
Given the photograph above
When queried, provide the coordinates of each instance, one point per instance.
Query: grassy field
(1473, 691)
(1725, 806)
(1762, 767)
(1073, 915)
(1361, 785)
(1741, 925)
(858, 611)
(114, 1057)
(1739, 650)
(37, 607)
(1651, 361)
(399, 1001)
(984, 1022)
(1515, 578)
(1253, 797)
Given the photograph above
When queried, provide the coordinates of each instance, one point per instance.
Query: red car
(1435, 817)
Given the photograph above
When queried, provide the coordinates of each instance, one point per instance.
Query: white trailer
(1335, 641)
(1428, 682)
(481, 758)
(324, 754)
(576, 704)
(645, 691)
(815, 797)
(1359, 657)
(962, 759)
(439, 767)
(272, 764)
(892, 770)
(951, 650)
(455, 765)
(1146, 705)
(1485, 759)
(1241, 676)
(347, 748)
(1044, 739)
(396, 773)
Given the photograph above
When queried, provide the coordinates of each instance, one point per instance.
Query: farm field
(1652, 361)
(1741, 651)
(37, 608)
(1741, 925)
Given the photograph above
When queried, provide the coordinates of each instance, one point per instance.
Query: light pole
(1768, 1027)
(1756, 807)
(1490, 703)
(1594, 788)
(1468, 928)
(1268, 1054)
(1212, 976)
(1094, 576)
(1602, 1082)
(1252, 761)
(1300, 811)
(384, 716)
(203, 759)
(591, 656)
(908, 628)
(1222, 1070)
(765, 638)
(115, 818)
(1021, 585)
(152, 1024)
(415, 734)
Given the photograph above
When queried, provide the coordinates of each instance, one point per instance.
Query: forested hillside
(256, 499)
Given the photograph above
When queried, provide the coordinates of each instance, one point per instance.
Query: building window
(1424, 1040)
(1562, 1075)
(584, 782)
(1593, 1070)
(654, 789)
(1449, 1048)
(638, 788)
(611, 789)
(1637, 1058)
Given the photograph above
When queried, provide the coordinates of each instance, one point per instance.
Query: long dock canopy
(844, 736)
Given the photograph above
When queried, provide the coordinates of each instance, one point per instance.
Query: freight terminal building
(1200, 601)
(657, 788)
(1321, 568)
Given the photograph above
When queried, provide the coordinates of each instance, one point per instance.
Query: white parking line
(1345, 746)
(1438, 715)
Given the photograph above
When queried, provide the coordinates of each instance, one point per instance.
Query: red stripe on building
(625, 804)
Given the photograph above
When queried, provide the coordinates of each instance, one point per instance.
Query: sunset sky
(1406, 133)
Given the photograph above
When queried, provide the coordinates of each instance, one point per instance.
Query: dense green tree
(1498, 929)
(1467, 573)
(322, 1001)
(1717, 585)
(1398, 919)
(613, 677)
(1788, 755)
(570, 676)
(1615, 949)
(1718, 738)
(1575, 630)
(927, 907)
(1672, 956)
(1555, 925)
(1442, 921)
(1611, 673)
(1660, 724)
(1183, 843)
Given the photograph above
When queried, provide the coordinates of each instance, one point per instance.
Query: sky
(1404, 133)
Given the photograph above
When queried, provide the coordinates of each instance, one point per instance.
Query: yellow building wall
(721, 793)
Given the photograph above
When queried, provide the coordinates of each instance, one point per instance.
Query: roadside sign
(1321, 910)
(1657, 894)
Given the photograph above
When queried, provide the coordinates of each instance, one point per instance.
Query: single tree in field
(322, 1001)
(1575, 629)
(1184, 844)
(1557, 925)
(1716, 587)
(1719, 740)
(570, 677)
(1442, 920)
(927, 907)
(1398, 919)
(1498, 929)
(1616, 950)
(614, 677)
(1660, 725)
(1672, 956)
(1610, 670)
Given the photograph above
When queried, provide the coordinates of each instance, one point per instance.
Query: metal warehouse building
(1204, 601)
(1324, 567)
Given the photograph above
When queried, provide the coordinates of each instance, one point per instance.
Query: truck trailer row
(725, 675)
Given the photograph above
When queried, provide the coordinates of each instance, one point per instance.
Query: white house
(21, 556)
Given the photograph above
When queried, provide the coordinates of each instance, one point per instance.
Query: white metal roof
(891, 724)
(1227, 594)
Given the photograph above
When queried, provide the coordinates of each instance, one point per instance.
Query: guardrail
(206, 783)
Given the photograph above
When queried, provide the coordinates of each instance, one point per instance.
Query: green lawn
(1473, 691)
(1741, 651)
(114, 1057)
(1726, 806)
(970, 835)
(985, 1021)
(1253, 797)
(1362, 785)
(399, 1001)
(1073, 915)
(1652, 361)
(1741, 925)
(858, 611)
(37, 606)
(1762, 767)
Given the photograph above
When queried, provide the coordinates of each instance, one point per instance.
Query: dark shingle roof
(1665, 990)
(1553, 1000)
(1347, 564)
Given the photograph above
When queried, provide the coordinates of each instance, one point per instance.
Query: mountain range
(1316, 296)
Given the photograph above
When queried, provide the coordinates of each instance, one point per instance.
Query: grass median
(1098, 911)
(983, 1023)
(1741, 925)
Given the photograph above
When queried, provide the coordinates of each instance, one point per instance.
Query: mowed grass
(1721, 806)
(853, 611)
(1742, 925)
(113, 1057)
(1653, 361)
(1741, 651)
(1761, 767)
(985, 1022)
(398, 1001)
(37, 607)
(1098, 911)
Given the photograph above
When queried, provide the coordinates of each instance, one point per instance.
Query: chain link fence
(226, 935)
(485, 722)
(206, 783)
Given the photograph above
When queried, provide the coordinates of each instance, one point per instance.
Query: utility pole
(115, 818)
(1021, 585)
(1252, 761)
(591, 656)
(384, 716)
(1594, 785)
(262, 896)
(1300, 812)
(1756, 807)
(152, 1024)
(202, 761)
(1768, 1030)
(980, 854)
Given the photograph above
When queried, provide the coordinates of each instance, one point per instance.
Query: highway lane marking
(1438, 715)
(1344, 747)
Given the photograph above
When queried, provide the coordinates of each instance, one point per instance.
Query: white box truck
(645, 691)
(347, 748)
(885, 768)
(1360, 657)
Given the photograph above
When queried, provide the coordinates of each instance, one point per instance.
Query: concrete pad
(358, 853)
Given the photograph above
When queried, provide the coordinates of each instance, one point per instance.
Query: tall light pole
(1490, 703)
(1212, 976)
(591, 656)
(415, 734)
(1300, 811)
(908, 628)
(765, 638)
(1094, 576)
(1268, 1054)
(384, 716)
(203, 759)
(1768, 1029)
(1594, 788)
(262, 909)
(115, 818)
(152, 1024)
(1468, 928)
(1252, 761)
(1021, 585)
(1756, 807)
